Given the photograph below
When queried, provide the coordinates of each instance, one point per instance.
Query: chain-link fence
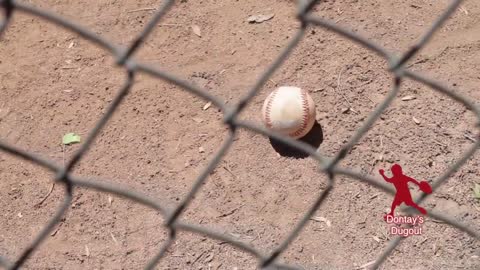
(328, 165)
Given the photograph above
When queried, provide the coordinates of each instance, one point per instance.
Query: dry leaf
(260, 18)
(376, 239)
(407, 98)
(416, 120)
(207, 106)
(110, 199)
(87, 251)
(196, 30)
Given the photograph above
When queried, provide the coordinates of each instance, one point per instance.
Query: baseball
(290, 111)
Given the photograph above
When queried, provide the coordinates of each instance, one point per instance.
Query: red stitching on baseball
(268, 109)
(305, 114)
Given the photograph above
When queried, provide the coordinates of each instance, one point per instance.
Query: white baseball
(290, 111)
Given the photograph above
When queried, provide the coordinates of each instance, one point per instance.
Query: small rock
(201, 149)
(196, 30)
(260, 18)
(416, 120)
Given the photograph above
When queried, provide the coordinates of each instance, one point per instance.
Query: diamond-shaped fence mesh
(327, 165)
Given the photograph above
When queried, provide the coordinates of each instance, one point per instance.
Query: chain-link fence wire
(327, 165)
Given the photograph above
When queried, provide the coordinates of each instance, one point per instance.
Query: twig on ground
(469, 137)
(141, 9)
(437, 221)
(113, 238)
(439, 143)
(53, 184)
(46, 196)
(226, 167)
(178, 143)
(198, 257)
(365, 265)
(369, 99)
(463, 9)
(58, 227)
(171, 24)
(378, 158)
(231, 212)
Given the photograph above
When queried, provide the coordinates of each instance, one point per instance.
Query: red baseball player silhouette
(400, 181)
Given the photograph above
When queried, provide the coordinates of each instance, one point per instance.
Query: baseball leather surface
(290, 111)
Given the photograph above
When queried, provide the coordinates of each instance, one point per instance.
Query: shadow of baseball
(314, 138)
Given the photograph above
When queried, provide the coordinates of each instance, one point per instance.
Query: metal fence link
(328, 165)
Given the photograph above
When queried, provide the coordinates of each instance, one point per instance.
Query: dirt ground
(53, 82)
